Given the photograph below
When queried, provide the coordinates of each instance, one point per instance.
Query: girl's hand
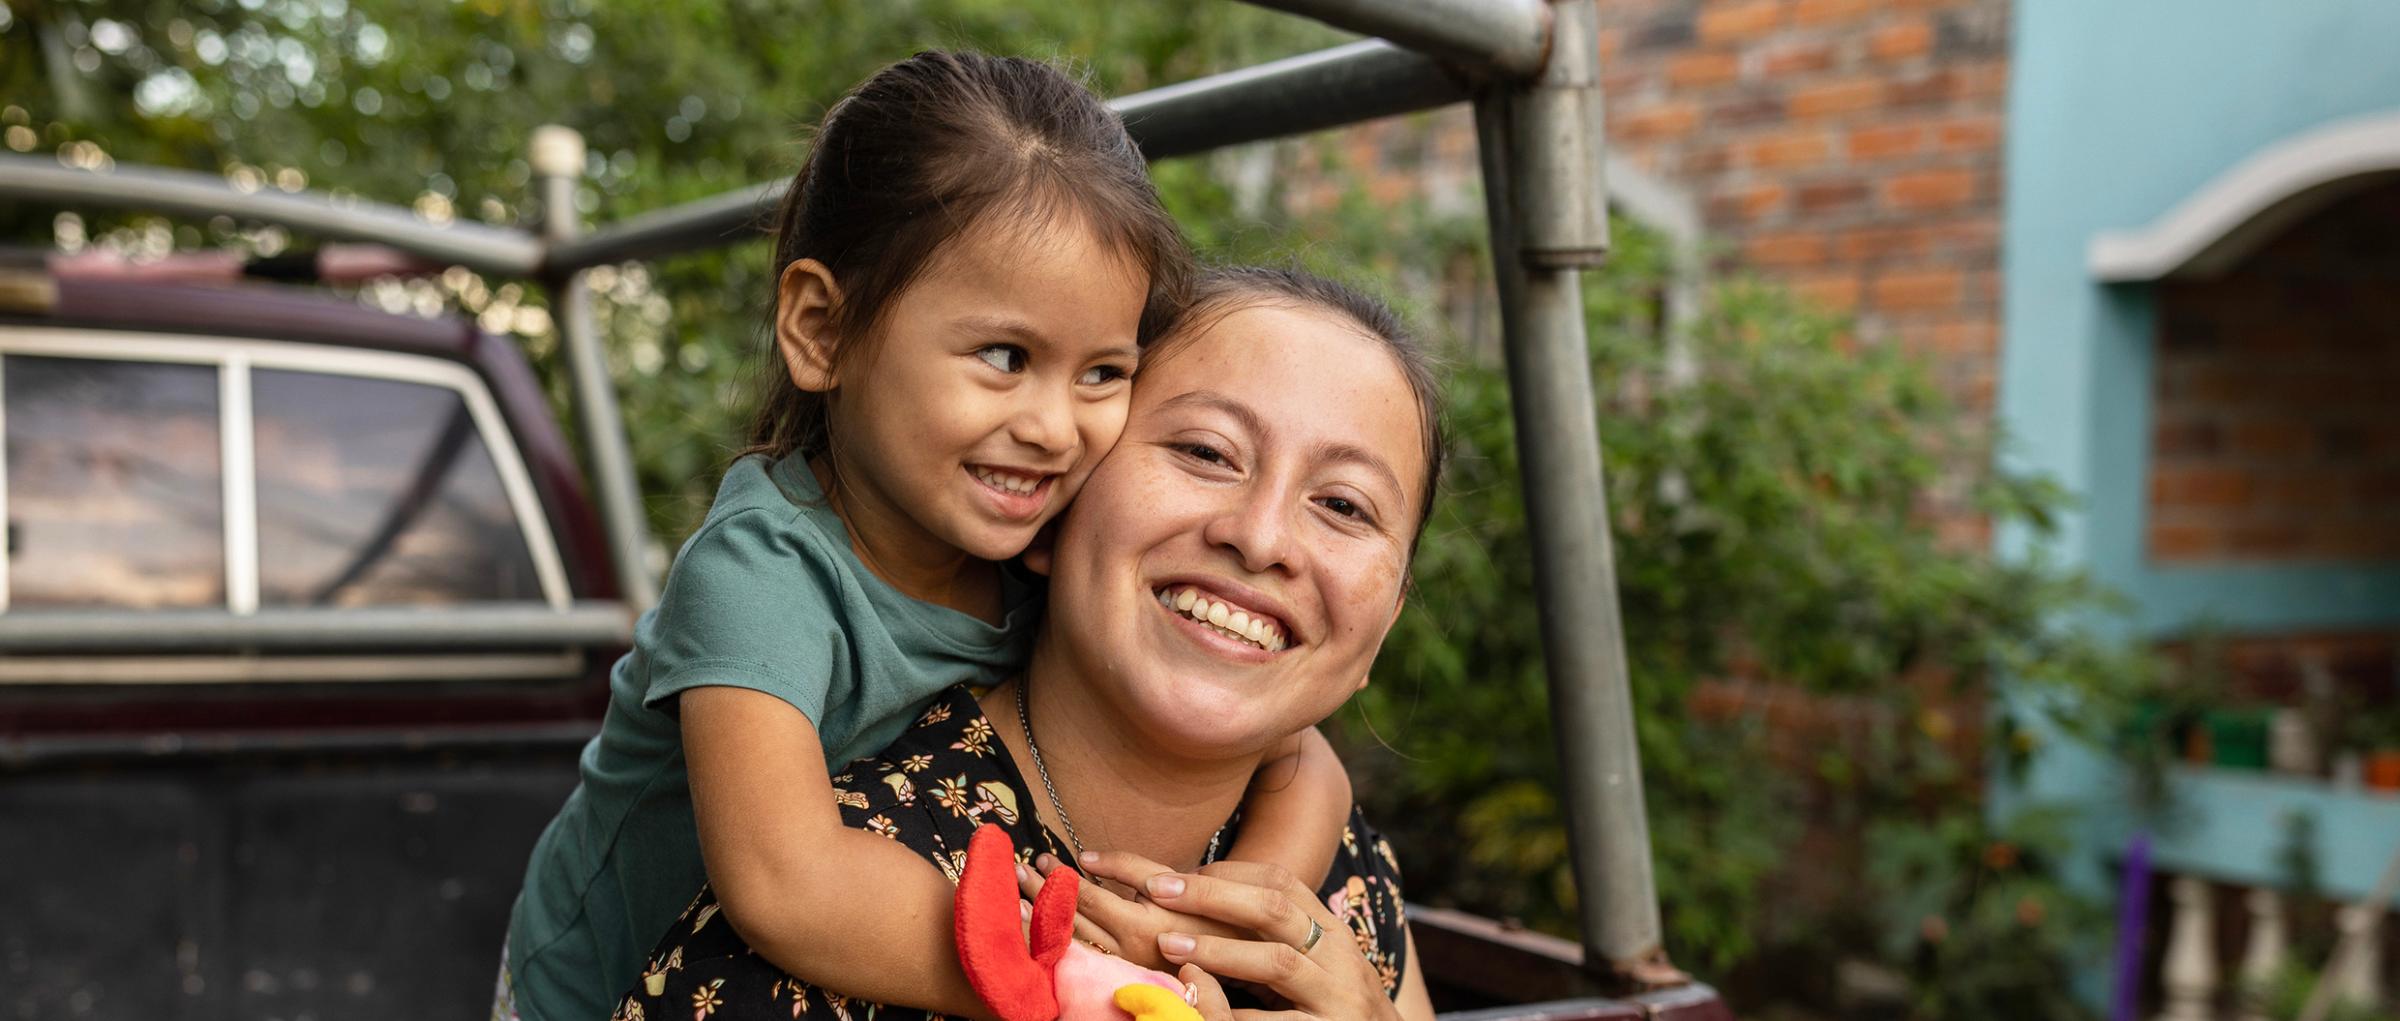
(1126, 927)
(1301, 952)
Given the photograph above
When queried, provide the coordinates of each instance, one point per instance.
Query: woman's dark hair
(1216, 292)
(926, 150)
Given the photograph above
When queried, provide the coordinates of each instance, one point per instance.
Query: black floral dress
(945, 776)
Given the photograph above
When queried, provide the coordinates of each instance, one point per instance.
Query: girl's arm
(1298, 803)
(843, 909)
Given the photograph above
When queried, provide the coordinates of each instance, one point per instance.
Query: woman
(1224, 580)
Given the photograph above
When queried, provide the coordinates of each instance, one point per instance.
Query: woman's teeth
(1004, 480)
(1258, 631)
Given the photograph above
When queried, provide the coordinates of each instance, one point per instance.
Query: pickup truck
(304, 613)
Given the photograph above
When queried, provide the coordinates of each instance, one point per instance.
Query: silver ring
(1315, 932)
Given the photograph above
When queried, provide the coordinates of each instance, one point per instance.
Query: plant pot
(2237, 738)
(2382, 772)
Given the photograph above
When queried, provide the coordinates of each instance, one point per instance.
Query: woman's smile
(1219, 620)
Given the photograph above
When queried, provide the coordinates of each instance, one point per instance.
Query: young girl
(962, 267)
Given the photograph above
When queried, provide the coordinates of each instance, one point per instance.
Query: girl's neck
(906, 556)
(1120, 795)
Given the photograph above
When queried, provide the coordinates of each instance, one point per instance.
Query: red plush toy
(1059, 979)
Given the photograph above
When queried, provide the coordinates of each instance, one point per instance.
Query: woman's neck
(1117, 794)
(906, 556)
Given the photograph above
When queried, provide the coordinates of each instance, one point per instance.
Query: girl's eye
(1101, 375)
(1004, 357)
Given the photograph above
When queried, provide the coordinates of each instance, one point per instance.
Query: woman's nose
(1255, 526)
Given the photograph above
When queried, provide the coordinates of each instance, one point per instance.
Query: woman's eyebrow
(1324, 453)
(1351, 453)
(1219, 402)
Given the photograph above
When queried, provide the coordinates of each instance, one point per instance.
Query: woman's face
(1267, 480)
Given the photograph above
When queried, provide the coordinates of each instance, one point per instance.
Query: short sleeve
(1363, 891)
(750, 603)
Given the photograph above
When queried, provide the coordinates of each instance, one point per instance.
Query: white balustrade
(2190, 970)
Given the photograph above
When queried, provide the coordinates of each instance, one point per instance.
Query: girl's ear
(804, 300)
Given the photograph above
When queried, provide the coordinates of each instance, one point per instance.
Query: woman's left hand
(1128, 927)
(1301, 951)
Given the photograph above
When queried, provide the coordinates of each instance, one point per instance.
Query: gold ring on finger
(1315, 932)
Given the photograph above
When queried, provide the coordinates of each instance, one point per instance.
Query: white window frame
(235, 359)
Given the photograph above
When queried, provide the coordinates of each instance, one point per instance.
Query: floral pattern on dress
(963, 780)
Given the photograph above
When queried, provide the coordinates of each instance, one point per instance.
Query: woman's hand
(1126, 927)
(1300, 951)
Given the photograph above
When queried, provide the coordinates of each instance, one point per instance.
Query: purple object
(2133, 919)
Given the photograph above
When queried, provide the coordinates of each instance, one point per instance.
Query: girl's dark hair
(1216, 292)
(926, 150)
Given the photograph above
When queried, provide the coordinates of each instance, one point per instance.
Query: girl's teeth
(1011, 483)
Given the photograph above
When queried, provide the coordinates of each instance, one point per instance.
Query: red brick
(1929, 189)
(1744, 19)
(1748, 203)
(2193, 437)
(1918, 289)
(2199, 487)
(1785, 249)
(1902, 40)
(1665, 120)
(1818, 12)
(1970, 338)
(1828, 196)
(1968, 134)
(2185, 541)
(1884, 141)
(1837, 290)
(2272, 438)
(1703, 68)
(1797, 58)
(1936, 86)
(1787, 149)
(1837, 98)
(1882, 241)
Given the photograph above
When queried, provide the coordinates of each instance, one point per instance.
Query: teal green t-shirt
(766, 595)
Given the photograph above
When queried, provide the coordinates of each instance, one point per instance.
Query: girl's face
(1269, 473)
(995, 382)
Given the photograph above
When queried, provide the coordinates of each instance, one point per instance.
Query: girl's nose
(1046, 422)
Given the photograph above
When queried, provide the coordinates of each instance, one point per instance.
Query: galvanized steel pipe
(1528, 143)
(1311, 92)
(558, 156)
(1508, 36)
(189, 193)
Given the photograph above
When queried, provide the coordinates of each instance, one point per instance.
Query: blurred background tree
(1812, 666)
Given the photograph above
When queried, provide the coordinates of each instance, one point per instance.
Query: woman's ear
(804, 300)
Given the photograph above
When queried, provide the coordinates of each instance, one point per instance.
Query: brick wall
(2274, 434)
(1848, 148)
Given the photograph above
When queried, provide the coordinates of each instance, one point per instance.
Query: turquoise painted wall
(2119, 110)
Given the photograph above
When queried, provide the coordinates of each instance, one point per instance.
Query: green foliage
(1772, 505)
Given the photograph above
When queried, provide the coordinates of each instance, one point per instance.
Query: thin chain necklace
(1025, 721)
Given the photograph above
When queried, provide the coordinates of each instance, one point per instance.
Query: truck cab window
(115, 489)
(378, 492)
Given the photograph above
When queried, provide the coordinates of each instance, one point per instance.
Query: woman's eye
(1202, 452)
(1100, 375)
(1004, 357)
(1345, 508)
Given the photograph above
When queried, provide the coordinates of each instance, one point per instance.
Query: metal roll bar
(1532, 69)
(495, 250)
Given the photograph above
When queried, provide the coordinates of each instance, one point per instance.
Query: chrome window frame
(234, 358)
